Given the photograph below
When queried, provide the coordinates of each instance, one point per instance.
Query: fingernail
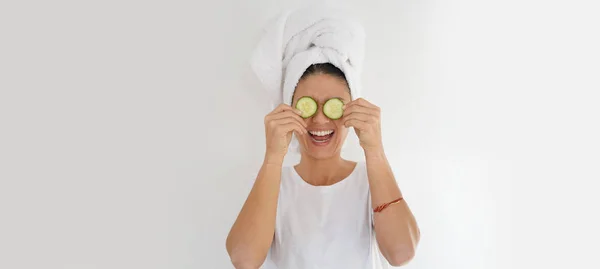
(298, 112)
(344, 107)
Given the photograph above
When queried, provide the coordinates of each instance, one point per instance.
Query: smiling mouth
(321, 137)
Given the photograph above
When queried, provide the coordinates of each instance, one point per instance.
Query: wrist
(274, 159)
(374, 152)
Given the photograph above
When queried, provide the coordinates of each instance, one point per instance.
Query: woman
(318, 213)
(325, 212)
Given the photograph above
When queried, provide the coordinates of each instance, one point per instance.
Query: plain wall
(130, 131)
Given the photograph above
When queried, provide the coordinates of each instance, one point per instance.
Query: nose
(320, 118)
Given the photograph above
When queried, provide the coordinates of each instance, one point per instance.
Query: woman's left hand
(365, 118)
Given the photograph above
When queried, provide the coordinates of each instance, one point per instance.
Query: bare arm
(396, 230)
(252, 233)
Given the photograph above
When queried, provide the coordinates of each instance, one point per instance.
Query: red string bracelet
(383, 206)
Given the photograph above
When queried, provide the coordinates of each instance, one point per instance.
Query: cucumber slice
(307, 105)
(333, 108)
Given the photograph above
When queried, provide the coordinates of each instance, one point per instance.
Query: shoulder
(361, 168)
(287, 168)
(287, 171)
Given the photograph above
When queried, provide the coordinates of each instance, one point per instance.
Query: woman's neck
(323, 172)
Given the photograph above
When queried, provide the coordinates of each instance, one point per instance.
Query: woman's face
(322, 87)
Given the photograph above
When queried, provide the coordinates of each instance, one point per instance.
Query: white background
(130, 131)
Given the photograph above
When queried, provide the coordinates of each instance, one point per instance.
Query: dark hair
(324, 68)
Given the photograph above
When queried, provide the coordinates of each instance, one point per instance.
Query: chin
(321, 155)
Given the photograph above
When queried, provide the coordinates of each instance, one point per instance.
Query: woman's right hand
(279, 125)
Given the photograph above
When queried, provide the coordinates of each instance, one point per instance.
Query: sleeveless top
(324, 227)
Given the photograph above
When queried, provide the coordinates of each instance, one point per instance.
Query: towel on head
(296, 39)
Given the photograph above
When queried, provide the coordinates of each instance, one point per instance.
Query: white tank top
(324, 227)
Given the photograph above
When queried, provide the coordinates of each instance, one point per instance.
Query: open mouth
(321, 138)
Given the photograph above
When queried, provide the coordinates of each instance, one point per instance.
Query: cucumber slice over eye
(333, 108)
(307, 105)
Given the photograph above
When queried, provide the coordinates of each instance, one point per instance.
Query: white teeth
(321, 133)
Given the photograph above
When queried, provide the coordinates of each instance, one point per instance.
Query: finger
(291, 116)
(358, 124)
(287, 114)
(359, 116)
(292, 120)
(285, 107)
(362, 102)
(360, 109)
(285, 121)
(292, 126)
